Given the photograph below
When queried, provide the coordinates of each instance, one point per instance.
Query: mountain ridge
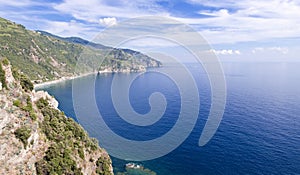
(76, 40)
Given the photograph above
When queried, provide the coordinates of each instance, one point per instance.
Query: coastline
(60, 80)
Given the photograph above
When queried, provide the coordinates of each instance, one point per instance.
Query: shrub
(81, 153)
(15, 73)
(5, 61)
(17, 103)
(28, 108)
(103, 166)
(42, 103)
(32, 115)
(26, 83)
(23, 133)
(57, 161)
(66, 137)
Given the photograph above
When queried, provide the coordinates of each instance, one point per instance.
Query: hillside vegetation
(37, 138)
(43, 56)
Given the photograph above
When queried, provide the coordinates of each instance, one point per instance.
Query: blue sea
(259, 132)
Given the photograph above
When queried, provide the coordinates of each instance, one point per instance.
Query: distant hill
(76, 40)
(43, 56)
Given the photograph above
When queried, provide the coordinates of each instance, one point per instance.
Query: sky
(265, 30)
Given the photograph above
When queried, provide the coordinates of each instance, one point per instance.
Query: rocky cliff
(37, 138)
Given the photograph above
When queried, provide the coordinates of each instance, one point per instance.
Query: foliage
(28, 108)
(15, 73)
(26, 83)
(17, 103)
(2, 77)
(81, 153)
(67, 138)
(43, 56)
(23, 133)
(5, 61)
(57, 161)
(33, 116)
(103, 166)
(42, 103)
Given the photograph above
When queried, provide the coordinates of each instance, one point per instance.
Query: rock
(17, 157)
(43, 94)
(8, 74)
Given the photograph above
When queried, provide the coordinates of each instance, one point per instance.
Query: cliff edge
(37, 138)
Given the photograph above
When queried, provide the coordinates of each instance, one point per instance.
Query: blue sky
(241, 30)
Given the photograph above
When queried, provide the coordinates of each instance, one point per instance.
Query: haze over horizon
(237, 30)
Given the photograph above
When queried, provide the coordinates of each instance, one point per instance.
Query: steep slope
(44, 57)
(119, 60)
(37, 138)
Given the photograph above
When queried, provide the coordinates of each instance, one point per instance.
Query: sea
(259, 132)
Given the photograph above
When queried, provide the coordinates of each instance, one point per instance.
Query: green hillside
(44, 57)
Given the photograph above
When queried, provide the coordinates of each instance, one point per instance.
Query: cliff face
(36, 138)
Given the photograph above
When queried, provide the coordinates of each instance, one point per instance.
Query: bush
(15, 73)
(26, 83)
(28, 108)
(66, 137)
(17, 103)
(23, 133)
(5, 62)
(81, 153)
(103, 166)
(42, 103)
(57, 161)
(32, 115)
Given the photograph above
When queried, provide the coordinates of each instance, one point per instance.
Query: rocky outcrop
(43, 94)
(37, 138)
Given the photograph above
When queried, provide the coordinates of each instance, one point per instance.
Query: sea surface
(259, 132)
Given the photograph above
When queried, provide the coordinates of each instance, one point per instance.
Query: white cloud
(235, 21)
(17, 3)
(257, 50)
(226, 52)
(281, 50)
(108, 21)
(92, 10)
(71, 28)
(247, 20)
(219, 13)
